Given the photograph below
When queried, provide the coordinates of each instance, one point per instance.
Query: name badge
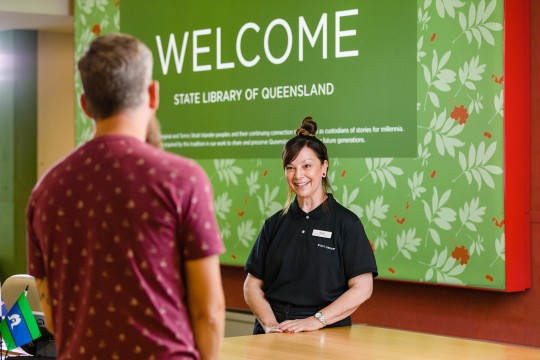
(321, 233)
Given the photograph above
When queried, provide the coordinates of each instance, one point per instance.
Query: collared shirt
(306, 259)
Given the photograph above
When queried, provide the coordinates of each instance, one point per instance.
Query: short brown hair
(115, 71)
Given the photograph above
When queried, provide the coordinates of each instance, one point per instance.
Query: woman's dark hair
(305, 136)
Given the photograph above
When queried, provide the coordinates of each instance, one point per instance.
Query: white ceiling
(42, 15)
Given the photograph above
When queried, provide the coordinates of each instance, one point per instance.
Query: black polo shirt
(306, 259)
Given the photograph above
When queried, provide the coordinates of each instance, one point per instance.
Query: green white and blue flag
(19, 326)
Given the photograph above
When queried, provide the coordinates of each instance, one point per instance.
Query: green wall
(18, 143)
(435, 217)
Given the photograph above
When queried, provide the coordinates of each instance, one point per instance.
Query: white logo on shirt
(326, 247)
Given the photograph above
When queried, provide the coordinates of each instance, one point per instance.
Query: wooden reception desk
(367, 342)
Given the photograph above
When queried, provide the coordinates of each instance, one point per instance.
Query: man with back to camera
(122, 238)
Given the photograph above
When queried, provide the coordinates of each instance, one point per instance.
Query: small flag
(3, 309)
(19, 327)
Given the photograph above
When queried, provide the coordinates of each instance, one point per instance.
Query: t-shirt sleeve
(199, 230)
(34, 255)
(357, 252)
(257, 257)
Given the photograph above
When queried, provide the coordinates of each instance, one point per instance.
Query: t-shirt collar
(316, 213)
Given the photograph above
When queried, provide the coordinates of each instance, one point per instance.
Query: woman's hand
(254, 296)
(272, 329)
(295, 326)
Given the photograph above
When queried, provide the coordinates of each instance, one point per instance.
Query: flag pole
(1, 318)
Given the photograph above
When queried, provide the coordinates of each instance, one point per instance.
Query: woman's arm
(254, 296)
(360, 289)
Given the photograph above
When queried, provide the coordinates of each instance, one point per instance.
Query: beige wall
(56, 125)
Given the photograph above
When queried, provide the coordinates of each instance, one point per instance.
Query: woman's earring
(323, 174)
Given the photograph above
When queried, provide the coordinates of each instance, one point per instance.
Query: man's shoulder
(121, 154)
(141, 153)
(178, 166)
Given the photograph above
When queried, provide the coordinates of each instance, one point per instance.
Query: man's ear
(85, 106)
(153, 92)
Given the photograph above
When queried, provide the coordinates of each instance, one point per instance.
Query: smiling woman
(312, 265)
(305, 176)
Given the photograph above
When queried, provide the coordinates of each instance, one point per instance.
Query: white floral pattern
(459, 49)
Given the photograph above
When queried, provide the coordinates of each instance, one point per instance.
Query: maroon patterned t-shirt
(110, 227)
